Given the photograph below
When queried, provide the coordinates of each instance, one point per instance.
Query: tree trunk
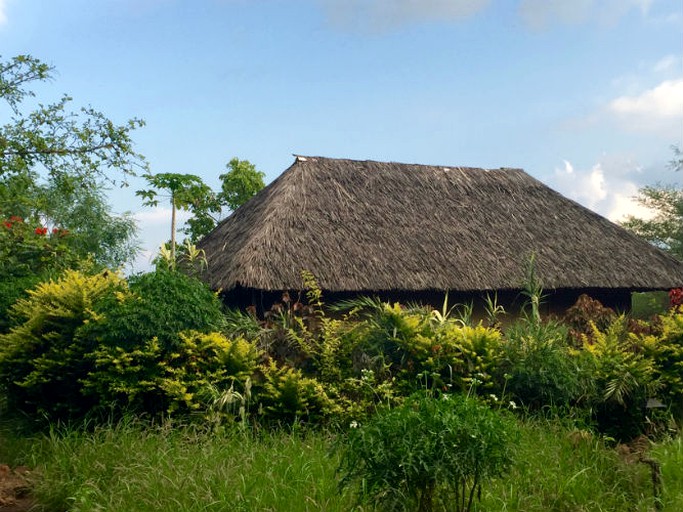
(172, 262)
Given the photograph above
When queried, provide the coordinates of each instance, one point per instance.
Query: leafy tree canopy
(665, 229)
(240, 183)
(55, 163)
(83, 144)
(188, 192)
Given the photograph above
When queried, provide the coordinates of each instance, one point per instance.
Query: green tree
(183, 191)
(55, 163)
(238, 185)
(207, 207)
(665, 229)
(84, 144)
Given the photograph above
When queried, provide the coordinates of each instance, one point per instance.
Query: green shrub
(424, 348)
(464, 357)
(11, 290)
(44, 358)
(162, 304)
(427, 452)
(150, 379)
(29, 254)
(666, 350)
(285, 395)
(92, 342)
(538, 369)
(624, 378)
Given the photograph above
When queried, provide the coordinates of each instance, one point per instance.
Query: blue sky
(585, 95)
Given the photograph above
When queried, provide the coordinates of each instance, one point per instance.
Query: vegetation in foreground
(133, 467)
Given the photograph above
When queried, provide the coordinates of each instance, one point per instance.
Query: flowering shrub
(24, 248)
(28, 255)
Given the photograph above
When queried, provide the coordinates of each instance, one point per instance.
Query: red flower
(55, 231)
(15, 218)
(40, 231)
(676, 297)
(8, 224)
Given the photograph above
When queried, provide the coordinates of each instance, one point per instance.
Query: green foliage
(427, 452)
(44, 357)
(189, 192)
(285, 395)
(670, 455)
(53, 163)
(184, 191)
(624, 379)
(666, 350)
(85, 342)
(240, 183)
(648, 304)
(150, 379)
(80, 144)
(29, 253)
(81, 210)
(11, 290)
(137, 467)
(162, 304)
(538, 368)
(559, 468)
(424, 349)
(665, 229)
(532, 289)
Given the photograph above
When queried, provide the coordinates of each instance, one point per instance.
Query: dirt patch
(15, 489)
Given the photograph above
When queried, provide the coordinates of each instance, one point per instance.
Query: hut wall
(555, 302)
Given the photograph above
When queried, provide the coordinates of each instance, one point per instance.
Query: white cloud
(585, 187)
(159, 215)
(668, 63)
(655, 109)
(539, 14)
(607, 187)
(385, 14)
(154, 229)
(3, 12)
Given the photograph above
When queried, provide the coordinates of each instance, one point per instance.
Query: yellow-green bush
(285, 395)
(624, 379)
(666, 350)
(150, 379)
(425, 351)
(44, 357)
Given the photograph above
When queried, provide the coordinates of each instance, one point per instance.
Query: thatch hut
(411, 232)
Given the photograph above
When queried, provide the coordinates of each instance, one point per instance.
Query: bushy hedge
(160, 343)
(87, 342)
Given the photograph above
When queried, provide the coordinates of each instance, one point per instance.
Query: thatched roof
(375, 226)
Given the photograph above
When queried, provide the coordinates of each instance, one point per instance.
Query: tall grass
(129, 467)
(570, 470)
(670, 455)
(132, 467)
